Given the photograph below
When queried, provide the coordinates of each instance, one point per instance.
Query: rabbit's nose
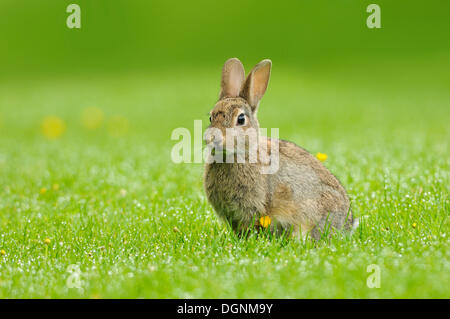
(216, 140)
(211, 138)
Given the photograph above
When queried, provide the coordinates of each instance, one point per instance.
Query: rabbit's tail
(356, 222)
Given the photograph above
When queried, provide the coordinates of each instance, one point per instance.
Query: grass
(136, 225)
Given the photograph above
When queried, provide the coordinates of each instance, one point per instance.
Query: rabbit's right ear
(256, 83)
(233, 76)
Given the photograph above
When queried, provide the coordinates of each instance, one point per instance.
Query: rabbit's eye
(210, 119)
(241, 119)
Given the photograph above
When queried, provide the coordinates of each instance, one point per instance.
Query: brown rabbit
(301, 197)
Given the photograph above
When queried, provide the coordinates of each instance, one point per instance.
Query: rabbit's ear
(233, 76)
(256, 83)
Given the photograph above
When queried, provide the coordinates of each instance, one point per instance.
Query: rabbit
(302, 197)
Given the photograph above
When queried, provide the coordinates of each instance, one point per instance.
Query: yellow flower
(55, 187)
(47, 241)
(414, 225)
(92, 118)
(265, 221)
(321, 156)
(2, 252)
(53, 127)
(43, 190)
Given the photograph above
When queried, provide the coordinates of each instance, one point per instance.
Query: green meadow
(92, 206)
(105, 193)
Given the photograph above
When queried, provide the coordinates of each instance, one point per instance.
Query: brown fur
(302, 196)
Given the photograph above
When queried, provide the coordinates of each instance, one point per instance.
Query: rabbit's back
(305, 194)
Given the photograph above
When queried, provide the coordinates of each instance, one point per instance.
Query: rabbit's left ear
(256, 83)
(233, 75)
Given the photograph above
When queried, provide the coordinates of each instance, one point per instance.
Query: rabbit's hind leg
(331, 223)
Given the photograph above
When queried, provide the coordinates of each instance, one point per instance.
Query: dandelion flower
(43, 190)
(414, 225)
(321, 156)
(2, 252)
(53, 127)
(265, 221)
(47, 241)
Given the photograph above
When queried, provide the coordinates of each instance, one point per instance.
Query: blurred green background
(147, 35)
(134, 57)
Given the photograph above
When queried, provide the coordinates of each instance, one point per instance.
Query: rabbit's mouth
(218, 151)
(229, 156)
(225, 151)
